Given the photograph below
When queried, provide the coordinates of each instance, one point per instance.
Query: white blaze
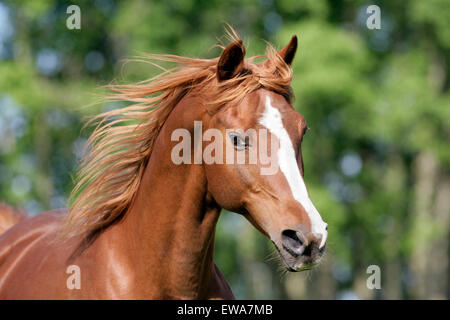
(272, 120)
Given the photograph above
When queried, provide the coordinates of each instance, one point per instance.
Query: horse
(139, 225)
(9, 217)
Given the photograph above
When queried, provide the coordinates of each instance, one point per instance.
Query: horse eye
(238, 141)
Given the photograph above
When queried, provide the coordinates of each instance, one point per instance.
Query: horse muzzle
(300, 251)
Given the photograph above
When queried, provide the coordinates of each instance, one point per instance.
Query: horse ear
(231, 61)
(288, 53)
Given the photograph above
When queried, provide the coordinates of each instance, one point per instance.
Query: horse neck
(172, 220)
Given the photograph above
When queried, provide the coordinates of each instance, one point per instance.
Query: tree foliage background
(377, 157)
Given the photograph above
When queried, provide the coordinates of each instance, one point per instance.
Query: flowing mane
(121, 144)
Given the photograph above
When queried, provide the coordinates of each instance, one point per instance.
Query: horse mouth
(294, 263)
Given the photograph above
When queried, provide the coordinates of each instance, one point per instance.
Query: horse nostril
(292, 243)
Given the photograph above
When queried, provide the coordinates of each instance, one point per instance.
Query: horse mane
(119, 148)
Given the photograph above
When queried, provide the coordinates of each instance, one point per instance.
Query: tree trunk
(426, 173)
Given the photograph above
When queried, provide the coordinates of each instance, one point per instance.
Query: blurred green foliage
(377, 157)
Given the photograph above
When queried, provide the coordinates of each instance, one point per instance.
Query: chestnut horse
(139, 225)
